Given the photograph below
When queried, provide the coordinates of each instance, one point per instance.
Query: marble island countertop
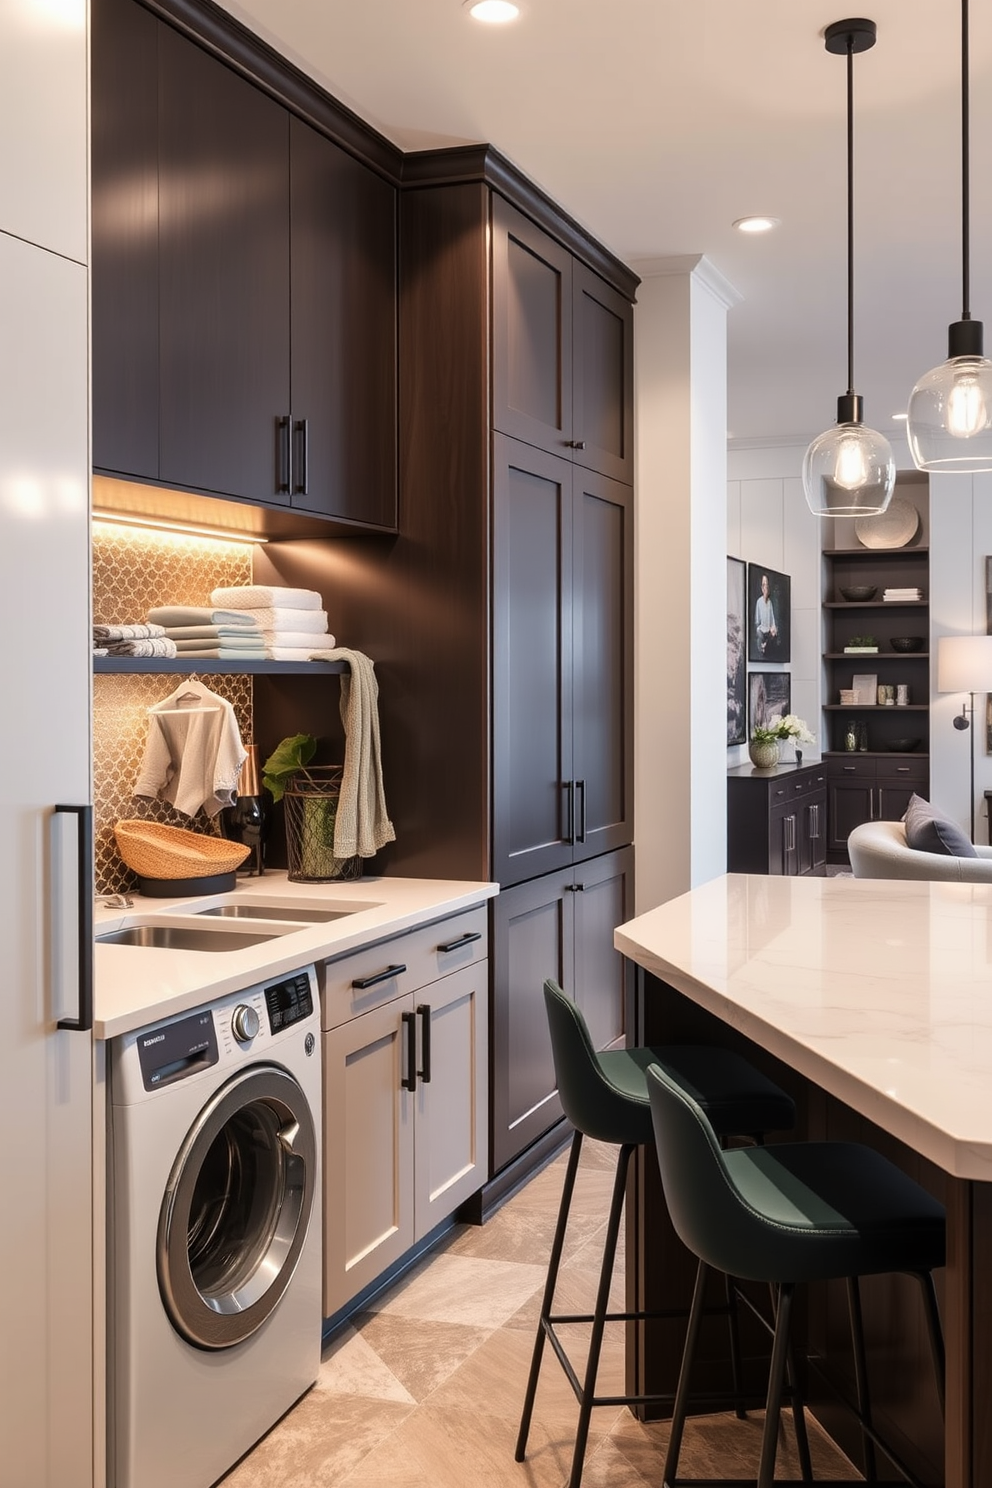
(880, 992)
(137, 985)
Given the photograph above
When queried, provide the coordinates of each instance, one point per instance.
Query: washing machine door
(237, 1207)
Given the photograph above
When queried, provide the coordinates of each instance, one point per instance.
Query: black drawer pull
(284, 478)
(902, 769)
(425, 1041)
(378, 976)
(849, 769)
(409, 1080)
(302, 480)
(463, 940)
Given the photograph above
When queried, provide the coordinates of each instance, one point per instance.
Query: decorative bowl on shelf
(908, 643)
(902, 746)
(858, 593)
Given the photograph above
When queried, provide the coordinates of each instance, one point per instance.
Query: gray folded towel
(362, 825)
(160, 646)
(104, 633)
(249, 644)
(225, 653)
(212, 633)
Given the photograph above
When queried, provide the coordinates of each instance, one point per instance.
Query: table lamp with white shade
(964, 664)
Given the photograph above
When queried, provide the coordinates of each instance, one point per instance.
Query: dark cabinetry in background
(244, 283)
(861, 788)
(777, 819)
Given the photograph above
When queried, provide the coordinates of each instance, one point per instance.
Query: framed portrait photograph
(736, 660)
(769, 614)
(769, 696)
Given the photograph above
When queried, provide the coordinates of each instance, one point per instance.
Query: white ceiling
(656, 125)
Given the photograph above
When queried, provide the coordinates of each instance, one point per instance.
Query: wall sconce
(964, 664)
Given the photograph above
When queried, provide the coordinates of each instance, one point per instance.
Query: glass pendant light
(849, 471)
(950, 409)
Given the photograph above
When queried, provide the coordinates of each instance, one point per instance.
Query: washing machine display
(215, 1231)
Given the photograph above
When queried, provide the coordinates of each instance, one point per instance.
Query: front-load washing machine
(214, 1227)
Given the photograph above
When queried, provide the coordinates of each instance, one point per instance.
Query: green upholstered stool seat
(804, 1211)
(605, 1097)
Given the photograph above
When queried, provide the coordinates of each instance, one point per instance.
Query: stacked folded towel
(132, 640)
(902, 594)
(221, 635)
(290, 622)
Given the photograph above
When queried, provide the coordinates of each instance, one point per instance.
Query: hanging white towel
(193, 754)
(262, 596)
(362, 824)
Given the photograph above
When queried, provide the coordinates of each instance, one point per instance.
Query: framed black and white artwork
(769, 696)
(769, 614)
(736, 649)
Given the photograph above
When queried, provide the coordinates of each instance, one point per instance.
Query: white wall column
(680, 380)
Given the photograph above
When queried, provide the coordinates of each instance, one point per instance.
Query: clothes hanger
(190, 690)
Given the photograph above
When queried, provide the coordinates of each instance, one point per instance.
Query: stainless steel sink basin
(186, 937)
(271, 912)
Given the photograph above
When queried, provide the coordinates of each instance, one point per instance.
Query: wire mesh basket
(311, 805)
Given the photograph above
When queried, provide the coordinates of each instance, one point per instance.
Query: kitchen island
(871, 1002)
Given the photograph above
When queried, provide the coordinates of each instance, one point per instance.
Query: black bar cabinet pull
(425, 1042)
(285, 439)
(409, 1080)
(303, 457)
(84, 872)
(378, 976)
(580, 787)
(570, 792)
(463, 940)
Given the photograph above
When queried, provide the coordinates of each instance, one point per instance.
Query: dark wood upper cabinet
(124, 224)
(223, 278)
(343, 345)
(563, 362)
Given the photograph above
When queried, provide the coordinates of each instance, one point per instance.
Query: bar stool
(802, 1211)
(605, 1097)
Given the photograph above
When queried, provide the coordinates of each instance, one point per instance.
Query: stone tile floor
(424, 1389)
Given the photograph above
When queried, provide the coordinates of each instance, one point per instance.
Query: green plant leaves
(289, 756)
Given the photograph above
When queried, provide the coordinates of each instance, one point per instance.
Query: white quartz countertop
(138, 985)
(878, 991)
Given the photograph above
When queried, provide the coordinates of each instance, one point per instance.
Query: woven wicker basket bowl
(157, 851)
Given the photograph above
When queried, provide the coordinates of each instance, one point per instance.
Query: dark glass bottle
(244, 822)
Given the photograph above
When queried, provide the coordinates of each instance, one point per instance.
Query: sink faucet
(117, 901)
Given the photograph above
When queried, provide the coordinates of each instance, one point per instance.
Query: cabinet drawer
(391, 968)
(853, 768)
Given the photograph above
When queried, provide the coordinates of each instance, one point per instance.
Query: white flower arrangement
(789, 727)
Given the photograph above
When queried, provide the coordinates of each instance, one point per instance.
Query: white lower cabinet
(405, 1097)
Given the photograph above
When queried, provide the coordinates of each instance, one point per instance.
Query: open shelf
(205, 666)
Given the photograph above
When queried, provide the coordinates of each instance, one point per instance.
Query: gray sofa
(878, 849)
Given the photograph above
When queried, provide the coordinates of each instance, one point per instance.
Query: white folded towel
(102, 634)
(173, 615)
(233, 652)
(312, 622)
(362, 824)
(262, 596)
(241, 633)
(298, 639)
(295, 653)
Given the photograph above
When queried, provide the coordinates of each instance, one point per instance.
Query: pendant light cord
(965, 171)
(850, 213)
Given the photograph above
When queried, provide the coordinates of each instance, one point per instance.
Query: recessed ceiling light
(494, 11)
(900, 417)
(756, 224)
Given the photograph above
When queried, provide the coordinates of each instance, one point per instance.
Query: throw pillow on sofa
(928, 831)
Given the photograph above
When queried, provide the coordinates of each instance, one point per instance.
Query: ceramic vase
(764, 753)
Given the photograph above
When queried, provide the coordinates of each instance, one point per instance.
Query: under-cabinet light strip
(120, 519)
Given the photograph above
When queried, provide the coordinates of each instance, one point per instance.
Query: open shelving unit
(205, 666)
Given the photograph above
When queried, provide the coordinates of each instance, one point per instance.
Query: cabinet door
(813, 833)
(892, 794)
(368, 1149)
(602, 376)
(532, 940)
(602, 897)
(783, 840)
(343, 292)
(602, 663)
(125, 238)
(452, 1124)
(850, 802)
(534, 806)
(224, 258)
(532, 332)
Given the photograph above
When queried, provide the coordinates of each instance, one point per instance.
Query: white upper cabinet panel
(43, 123)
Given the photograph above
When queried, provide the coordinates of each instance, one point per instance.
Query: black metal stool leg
(733, 1328)
(925, 1279)
(776, 1381)
(798, 1415)
(682, 1390)
(549, 1294)
(861, 1373)
(599, 1314)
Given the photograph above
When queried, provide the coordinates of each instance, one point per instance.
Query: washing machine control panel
(177, 1049)
(245, 1023)
(289, 1001)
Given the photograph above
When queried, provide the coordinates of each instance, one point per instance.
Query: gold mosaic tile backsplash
(132, 571)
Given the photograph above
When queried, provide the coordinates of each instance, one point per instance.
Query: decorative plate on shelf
(894, 528)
